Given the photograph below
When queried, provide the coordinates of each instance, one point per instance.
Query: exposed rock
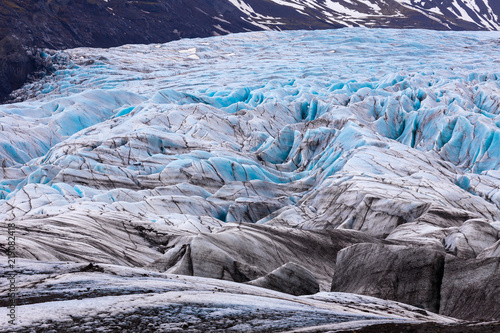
(470, 289)
(16, 64)
(92, 268)
(289, 278)
(62, 24)
(20, 62)
(410, 275)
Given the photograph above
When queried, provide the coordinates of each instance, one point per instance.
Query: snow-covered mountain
(102, 23)
(436, 14)
(209, 184)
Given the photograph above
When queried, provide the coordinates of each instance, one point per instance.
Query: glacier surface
(229, 157)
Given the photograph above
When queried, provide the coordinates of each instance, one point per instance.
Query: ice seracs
(258, 169)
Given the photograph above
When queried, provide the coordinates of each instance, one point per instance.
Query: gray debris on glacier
(230, 157)
(73, 297)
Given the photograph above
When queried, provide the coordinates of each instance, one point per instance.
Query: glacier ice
(146, 157)
(104, 295)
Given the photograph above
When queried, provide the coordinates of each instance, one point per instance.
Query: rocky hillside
(61, 24)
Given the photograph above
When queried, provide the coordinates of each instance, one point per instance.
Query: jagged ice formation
(262, 156)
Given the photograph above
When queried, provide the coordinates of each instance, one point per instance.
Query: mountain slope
(431, 14)
(103, 23)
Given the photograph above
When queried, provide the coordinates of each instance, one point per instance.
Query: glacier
(251, 156)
